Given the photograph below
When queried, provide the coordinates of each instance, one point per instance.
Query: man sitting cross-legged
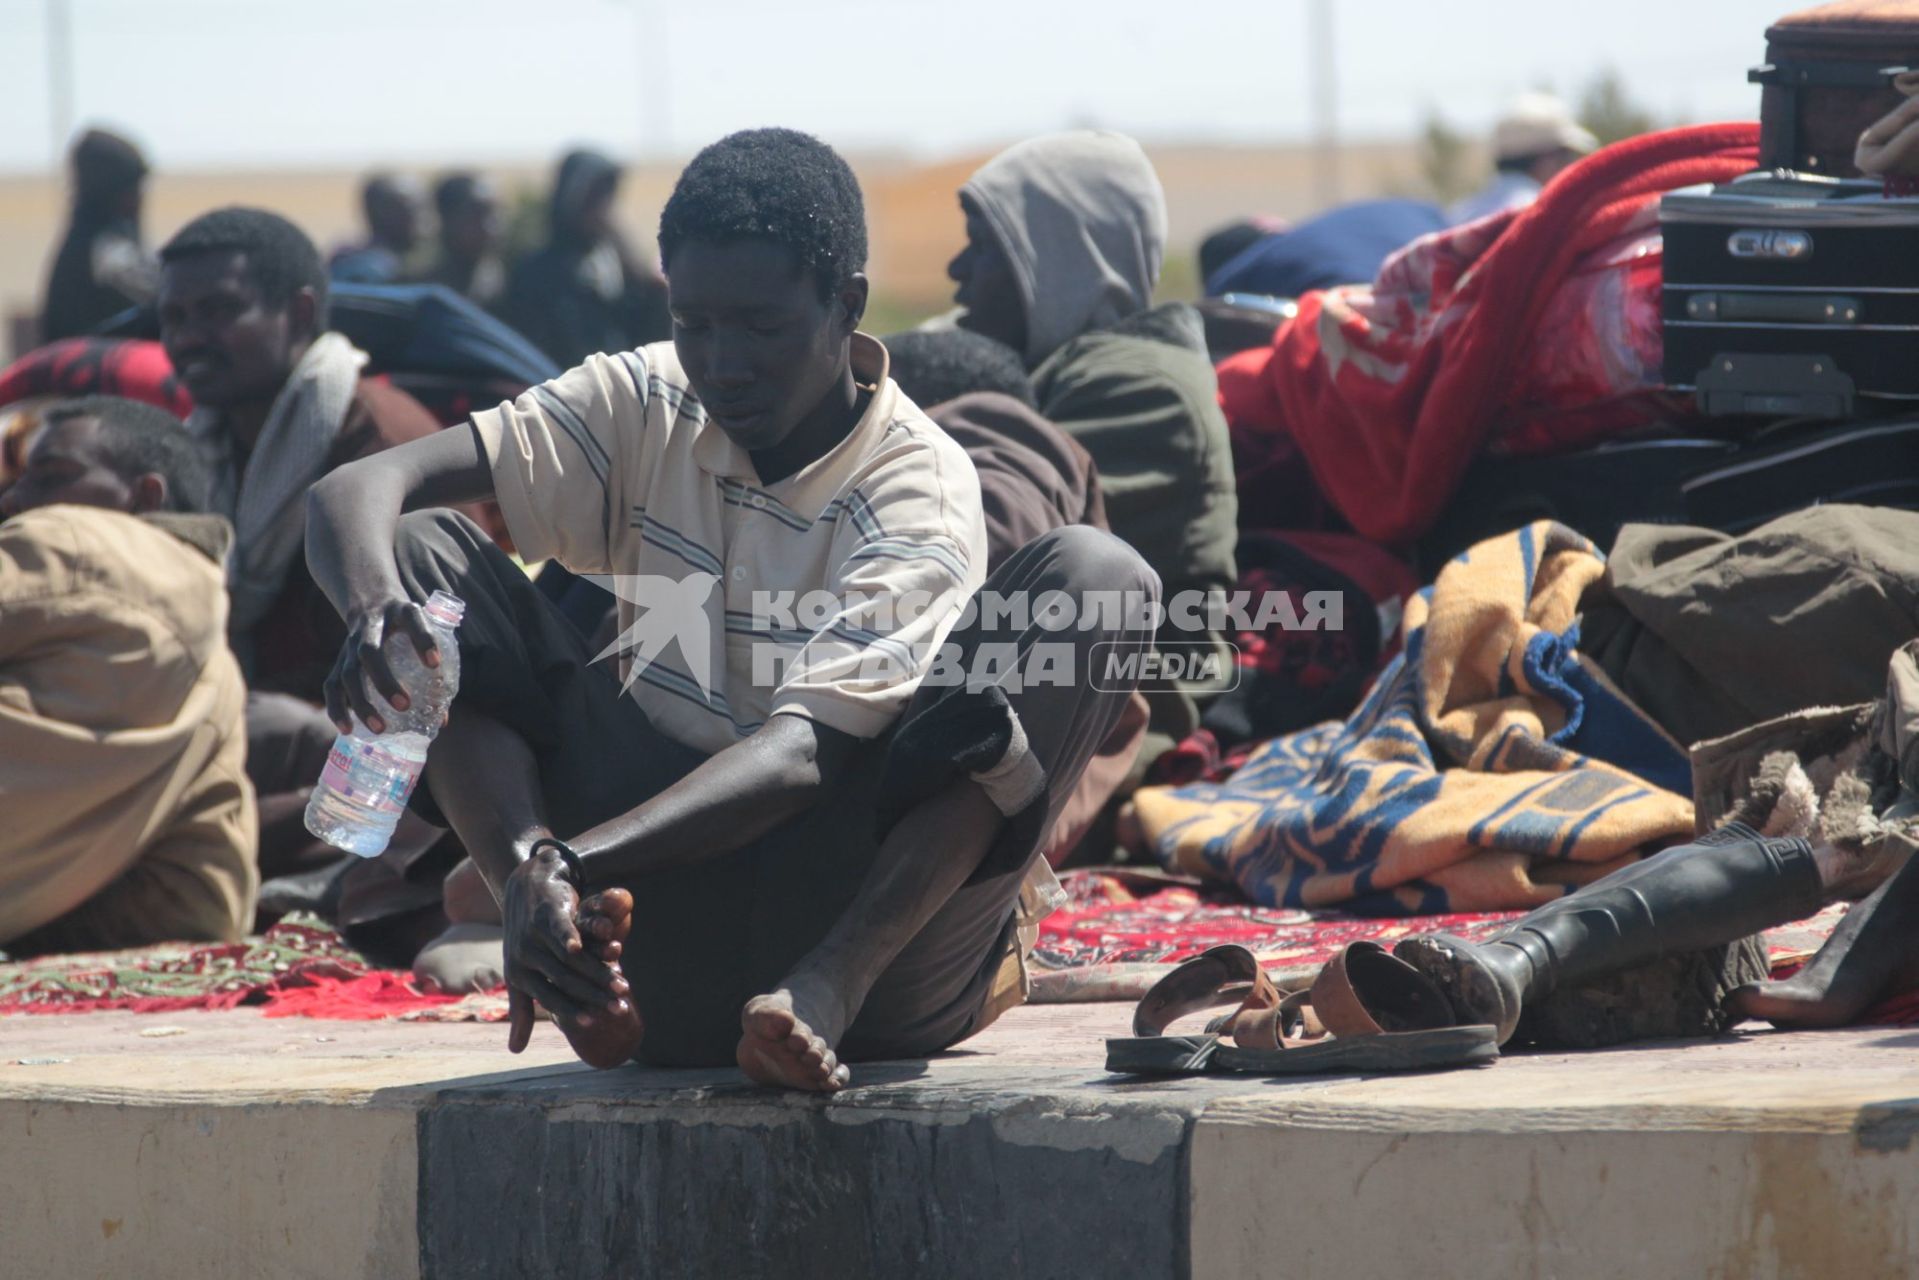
(791, 862)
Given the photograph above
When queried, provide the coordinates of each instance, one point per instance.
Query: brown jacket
(1033, 477)
(128, 816)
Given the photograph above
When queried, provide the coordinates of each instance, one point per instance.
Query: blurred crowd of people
(581, 289)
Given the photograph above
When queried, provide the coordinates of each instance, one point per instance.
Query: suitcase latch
(1778, 308)
(1777, 246)
(1776, 386)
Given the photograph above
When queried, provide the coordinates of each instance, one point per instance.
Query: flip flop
(1407, 1027)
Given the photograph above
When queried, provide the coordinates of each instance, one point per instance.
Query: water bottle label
(369, 775)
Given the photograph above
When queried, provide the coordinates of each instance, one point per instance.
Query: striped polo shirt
(825, 594)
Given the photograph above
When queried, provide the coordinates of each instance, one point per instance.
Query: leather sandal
(1406, 1026)
(1274, 1032)
(1224, 975)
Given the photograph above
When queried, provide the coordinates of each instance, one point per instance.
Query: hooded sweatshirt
(101, 268)
(1082, 218)
(576, 296)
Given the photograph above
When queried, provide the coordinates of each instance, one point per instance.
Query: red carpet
(298, 967)
(1118, 932)
(1120, 919)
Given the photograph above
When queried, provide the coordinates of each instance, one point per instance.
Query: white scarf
(267, 503)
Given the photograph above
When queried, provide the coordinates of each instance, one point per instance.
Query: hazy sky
(272, 83)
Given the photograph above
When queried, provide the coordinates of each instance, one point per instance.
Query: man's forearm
(726, 803)
(351, 517)
(352, 514)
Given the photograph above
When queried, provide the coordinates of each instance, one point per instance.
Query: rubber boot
(1716, 890)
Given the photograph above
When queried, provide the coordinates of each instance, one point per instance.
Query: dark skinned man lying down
(832, 862)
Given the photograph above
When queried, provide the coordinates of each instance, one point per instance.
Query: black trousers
(709, 936)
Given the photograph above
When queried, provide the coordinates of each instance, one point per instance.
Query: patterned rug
(299, 966)
(1121, 930)
(1118, 934)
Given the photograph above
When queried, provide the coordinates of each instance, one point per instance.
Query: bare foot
(790, 1036)
(464, 958)
(465, 897)
(609, 1037)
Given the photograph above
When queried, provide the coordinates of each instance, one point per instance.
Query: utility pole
(653, 69)
(60, 78)
(1322, 73)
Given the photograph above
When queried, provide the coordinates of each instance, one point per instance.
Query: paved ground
(234, 1144)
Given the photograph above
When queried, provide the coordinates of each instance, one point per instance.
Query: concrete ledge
(716, 1179)
(119, 1190)
(1599, 1204)
(230, 1145)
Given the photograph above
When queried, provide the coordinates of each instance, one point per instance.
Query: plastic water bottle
(368, 776)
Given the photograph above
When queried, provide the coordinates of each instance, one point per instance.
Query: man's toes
(609, 912)
(779, 1048)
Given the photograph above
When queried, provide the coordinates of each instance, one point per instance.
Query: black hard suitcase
(1825, 80)
(1791, 295)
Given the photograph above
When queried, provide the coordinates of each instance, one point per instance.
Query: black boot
(1716, 890)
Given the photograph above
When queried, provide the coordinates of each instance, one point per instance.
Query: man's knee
(1080, 558)
(288, 740)
(434, 547)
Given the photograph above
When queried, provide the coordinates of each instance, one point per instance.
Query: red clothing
(1535, 328)
(126, 367)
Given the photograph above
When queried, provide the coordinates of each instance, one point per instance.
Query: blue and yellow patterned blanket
(1490, 768)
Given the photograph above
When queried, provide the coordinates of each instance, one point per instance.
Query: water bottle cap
(445, 607)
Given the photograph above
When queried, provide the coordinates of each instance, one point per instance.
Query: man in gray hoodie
(1065, 237)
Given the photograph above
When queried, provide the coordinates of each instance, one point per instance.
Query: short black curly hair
(934, 366)
(134, 438)
(772, 184)
(281, 260)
